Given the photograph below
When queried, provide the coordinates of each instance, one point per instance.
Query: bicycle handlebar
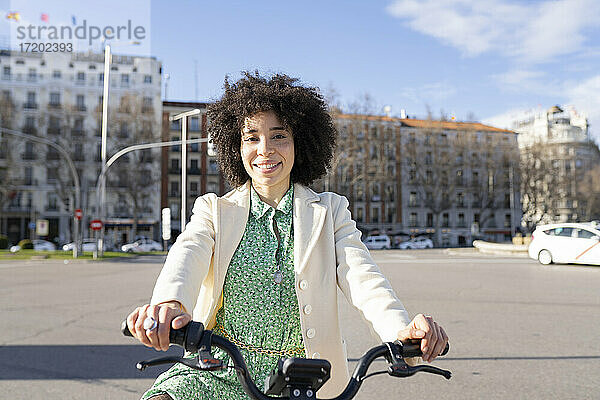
(194, 338)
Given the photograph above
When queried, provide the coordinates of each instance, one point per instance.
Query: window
(174, 164)
(101, 77)
(390, 215)
(460, 200)
(359, 214)
(461, 220)
(193, 188)
(584, 234)
(124, 80)
(459, 177)
(194, 165)
(147, 78)
(124, 130)
(429, 219)
(56, 74)
(6, 72)
(80, 102)
(176, 125)
(506, 200)
(194, 124)
(507, 220)
(195, 146)
(445, 220)
(412, 199)
(31, 99)
(51, 175)
(174, 189)
(54, 99)
(176, 147)
(80, 77)
(375, 214)
(32, 75)
(412, 219)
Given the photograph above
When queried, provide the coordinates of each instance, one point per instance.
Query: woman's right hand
(168, 315)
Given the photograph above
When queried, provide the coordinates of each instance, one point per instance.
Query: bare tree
(542, 184)
(134, 176)
(589, 195)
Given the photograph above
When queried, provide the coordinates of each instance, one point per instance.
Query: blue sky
(493, 59)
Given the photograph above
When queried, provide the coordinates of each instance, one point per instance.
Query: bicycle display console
(293, 378)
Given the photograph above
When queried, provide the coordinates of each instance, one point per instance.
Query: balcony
(52, 156)
(55, 106)
(81, 107)
(147, 110)
(175, 171)
(173, 194)
(28, 156)
(77, 132)
(194, 171)
(29, 129)
(53, 130)
(30, 106)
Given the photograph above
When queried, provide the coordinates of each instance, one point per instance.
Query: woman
(261, 265)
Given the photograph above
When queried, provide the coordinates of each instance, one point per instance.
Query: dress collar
(259, 207)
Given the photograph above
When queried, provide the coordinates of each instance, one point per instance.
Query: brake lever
(400, 369)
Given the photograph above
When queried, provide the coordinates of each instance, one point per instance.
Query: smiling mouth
(267, 167)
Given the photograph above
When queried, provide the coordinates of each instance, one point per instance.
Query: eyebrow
(275, 128)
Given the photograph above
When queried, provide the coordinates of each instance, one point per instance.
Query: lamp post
(183, 117)
(106, 85)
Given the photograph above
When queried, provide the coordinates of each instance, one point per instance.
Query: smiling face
(267, 151)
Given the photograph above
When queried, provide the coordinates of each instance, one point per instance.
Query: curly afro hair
(300, 109)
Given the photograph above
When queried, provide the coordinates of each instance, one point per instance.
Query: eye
(250, 139)
(280, 136)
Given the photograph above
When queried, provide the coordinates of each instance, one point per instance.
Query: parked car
(88, 245)
(38, 245)
(377, 242)
(142, 245)
(577, 243)
(419, 242)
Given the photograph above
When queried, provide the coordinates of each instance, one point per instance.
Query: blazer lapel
(309, 217)
(232, 215)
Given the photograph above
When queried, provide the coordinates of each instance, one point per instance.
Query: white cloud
(585, 97)
(531, 32)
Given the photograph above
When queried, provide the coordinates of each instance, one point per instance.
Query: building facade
(557, 156)
(58, 96)
(452, 181)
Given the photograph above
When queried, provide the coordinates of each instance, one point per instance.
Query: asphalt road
(518, 330)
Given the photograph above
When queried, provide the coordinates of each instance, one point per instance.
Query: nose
(265, 148)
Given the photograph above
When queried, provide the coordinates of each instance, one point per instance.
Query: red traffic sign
(78, 213)
(96, 225)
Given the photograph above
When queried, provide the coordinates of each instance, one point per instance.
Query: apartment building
(58, 97)
(452, 181)
(557, 156)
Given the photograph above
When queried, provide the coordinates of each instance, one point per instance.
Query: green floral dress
(257, 312)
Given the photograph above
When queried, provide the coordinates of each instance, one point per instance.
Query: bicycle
(293, 378)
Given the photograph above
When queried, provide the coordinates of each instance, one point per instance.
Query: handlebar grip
(187, 337)
(413, 349)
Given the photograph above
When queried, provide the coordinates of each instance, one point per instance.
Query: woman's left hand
(433, 337)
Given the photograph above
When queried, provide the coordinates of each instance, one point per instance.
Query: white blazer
(328, 254)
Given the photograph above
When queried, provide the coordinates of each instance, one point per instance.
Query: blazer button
(307, 309)
(311, 333)
(316, 355)
(303, 284)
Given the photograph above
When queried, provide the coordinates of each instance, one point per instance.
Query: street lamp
(183, 117)
(106, 84)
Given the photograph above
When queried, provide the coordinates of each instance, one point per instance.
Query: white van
(377, 242)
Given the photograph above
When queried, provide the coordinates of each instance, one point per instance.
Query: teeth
(267, 166)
